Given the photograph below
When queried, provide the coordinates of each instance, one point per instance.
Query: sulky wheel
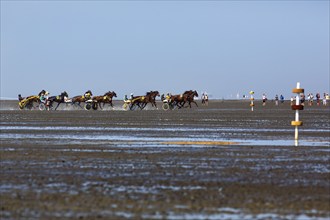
(94, 106)
(42, 107)
(166, 106)
(88, 106)
(125, 106)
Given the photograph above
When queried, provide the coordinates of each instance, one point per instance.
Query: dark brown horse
(81, 98)
(58, 99)
(142, 101)
(150, 97)
(187, 96)
(106, 98)
(137, 101)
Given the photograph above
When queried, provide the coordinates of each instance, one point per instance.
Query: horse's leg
(143, 105)
(131, 106)
(80, 105)
(182, 103)
(195, 103)
(179, 104)
(140, 106)
(58, 104)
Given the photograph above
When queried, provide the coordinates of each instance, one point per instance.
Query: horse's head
(195, 93)
(110, 94)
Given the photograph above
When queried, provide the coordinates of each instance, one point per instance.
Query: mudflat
(220, 161)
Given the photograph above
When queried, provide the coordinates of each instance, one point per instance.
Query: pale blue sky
(222, 47)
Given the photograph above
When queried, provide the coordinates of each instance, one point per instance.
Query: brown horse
(135, 102)
(142, 101)
(81, 98)
(106, 98)
(187, 96)
(150, 97)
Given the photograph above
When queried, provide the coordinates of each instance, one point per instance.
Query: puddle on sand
(141, 139)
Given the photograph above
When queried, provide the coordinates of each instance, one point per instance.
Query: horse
(58, 99)
(181, 99)
(80, 98)
(106, 98)
(150, 97)
(136, 101)
(189, 97)
(27, 102)
(142, 101)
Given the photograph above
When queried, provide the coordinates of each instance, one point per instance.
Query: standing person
(206, 99)
(318, 96)
(276, 99)
(310, 99)
(264, 99)
(292, 100)
(203, 98)
(324, 99)
(302, 99)
(282, 99)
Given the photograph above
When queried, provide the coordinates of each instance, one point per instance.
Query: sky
(222, 47)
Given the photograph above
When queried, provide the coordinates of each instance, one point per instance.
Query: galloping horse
(27, 102)
(59, 99)
(106, 98)
(81, 98)
(142, 101)
(187, 96)
(150, 97)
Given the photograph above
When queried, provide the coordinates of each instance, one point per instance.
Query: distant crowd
(311, 99)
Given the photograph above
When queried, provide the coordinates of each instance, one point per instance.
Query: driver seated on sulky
(88, 95)
(43, 96)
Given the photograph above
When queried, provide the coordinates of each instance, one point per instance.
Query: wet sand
(216, 162)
